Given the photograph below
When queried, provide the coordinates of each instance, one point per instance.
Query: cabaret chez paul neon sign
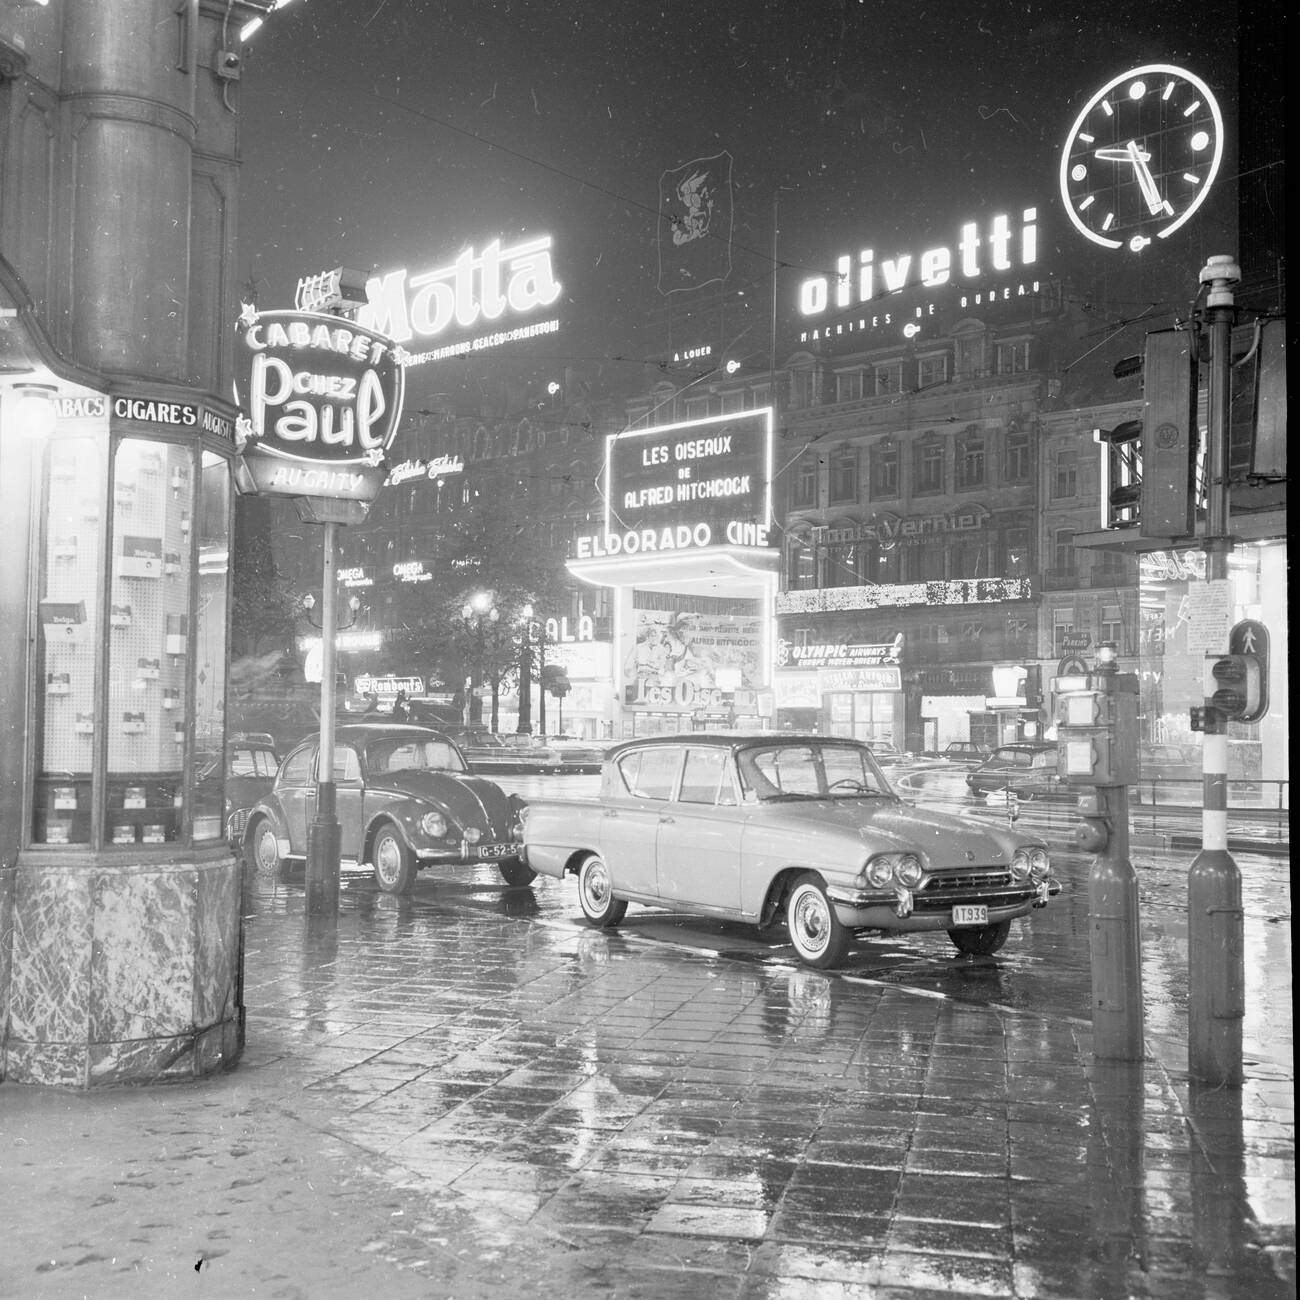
(978, 253)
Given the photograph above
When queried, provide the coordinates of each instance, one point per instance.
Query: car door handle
(610, 812)
(665, 820)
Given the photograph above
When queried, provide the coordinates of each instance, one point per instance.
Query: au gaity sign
(320, 402)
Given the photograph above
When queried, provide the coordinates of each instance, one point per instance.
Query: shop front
(688, 554)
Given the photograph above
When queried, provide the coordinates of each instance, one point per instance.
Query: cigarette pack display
(124, 833)
(149, 668)
(120, 615)
(58, 683)
(177, 625)
(171, 697)
(141, 557)
(65, 798)
(154, 833)
(64, 548)
(85, 724)
(133, 724)
(134, 797)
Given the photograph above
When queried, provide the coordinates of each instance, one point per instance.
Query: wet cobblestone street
(469, 1093)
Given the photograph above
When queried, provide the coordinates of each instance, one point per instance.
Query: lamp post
(322, 874)
(525, 724)
(478, 612)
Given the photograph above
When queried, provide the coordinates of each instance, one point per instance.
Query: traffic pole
(1118, 1017)
(1215, 957)
(323, 835)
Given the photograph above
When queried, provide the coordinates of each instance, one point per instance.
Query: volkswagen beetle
(405, 800)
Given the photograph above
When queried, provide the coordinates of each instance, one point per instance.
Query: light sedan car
(801, 828)
(1027, 769)
(406, 800)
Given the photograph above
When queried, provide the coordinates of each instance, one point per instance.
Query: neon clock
(1142, 156)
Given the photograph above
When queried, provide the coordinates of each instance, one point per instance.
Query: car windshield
(403, 754)
(817, 771)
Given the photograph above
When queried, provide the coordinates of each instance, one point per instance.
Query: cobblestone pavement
(468, 1093)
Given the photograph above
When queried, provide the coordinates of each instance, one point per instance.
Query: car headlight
(1021, 864)
(880, 871)
(473, 835)
(908, 870)
(1040, 864)
(433, 823)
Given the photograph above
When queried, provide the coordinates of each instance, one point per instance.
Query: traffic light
(1148, 466)
(555, 678)
(1234, 686)
(1097, 730)
(1169, 435)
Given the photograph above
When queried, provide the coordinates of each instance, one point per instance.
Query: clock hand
(1146, 182)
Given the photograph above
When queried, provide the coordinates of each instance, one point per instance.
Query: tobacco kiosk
(118, 893)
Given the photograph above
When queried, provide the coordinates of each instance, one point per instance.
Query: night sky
(386, 133)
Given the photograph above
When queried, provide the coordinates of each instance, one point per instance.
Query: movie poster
(675, 660)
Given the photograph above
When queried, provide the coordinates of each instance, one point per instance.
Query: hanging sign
(321, 398)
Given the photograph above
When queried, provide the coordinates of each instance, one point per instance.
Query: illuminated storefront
(687, 548)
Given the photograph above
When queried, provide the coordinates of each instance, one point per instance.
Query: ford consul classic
(405, 800)
(765, 828)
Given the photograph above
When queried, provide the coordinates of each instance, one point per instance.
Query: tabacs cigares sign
(320, 401)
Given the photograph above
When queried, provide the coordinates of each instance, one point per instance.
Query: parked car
(1027, 768)
(1169, 762)
(761, 827)
(487, 752)
(250, 766)
(577, 755)
(968, 753)
(406, 800)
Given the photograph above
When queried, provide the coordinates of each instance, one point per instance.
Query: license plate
(970, 915)
(497, 850)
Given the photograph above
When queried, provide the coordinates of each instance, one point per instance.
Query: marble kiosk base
(119, 971)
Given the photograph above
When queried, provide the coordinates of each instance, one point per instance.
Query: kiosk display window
(149, 652)
(68, 610)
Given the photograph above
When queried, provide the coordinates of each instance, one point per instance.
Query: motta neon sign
(977, 252)
(472, 289)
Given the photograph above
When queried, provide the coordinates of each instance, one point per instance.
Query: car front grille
(985, 885)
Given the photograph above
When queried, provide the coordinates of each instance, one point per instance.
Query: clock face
(1141, 156)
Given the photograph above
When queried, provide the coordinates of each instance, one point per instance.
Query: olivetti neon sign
(934, 267)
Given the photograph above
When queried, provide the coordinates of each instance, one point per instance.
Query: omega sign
(321, 401)
(687, 486)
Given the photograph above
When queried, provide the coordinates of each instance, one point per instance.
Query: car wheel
(981, 940)
(815, 931)
(516, 872)
(393, 862)
(264, 848)
(596, 894)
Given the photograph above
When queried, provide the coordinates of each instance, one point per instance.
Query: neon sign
(858, 283)
(474, 288)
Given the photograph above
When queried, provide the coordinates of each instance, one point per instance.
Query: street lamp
(478, 612)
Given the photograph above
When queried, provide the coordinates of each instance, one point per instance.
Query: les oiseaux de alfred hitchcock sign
(320, 401)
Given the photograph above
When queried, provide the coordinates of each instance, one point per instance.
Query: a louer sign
(321, 398)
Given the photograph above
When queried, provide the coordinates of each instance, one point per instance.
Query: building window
(884, 469)
(844, 475)
(1063, 550)
(848, 385)
(932, 369)
(841, 568)
(697, 408)
(1110, 569)
(881, 562)
(926, 563)
(1062, 625)
(1016, 552)
(889, 377)
(970, 459)
(1013, 357)
(929, 468)
(1065, 483)
(732, 402)
(1015, 468)
(970, 559)
(1111, 624)
(800, 389)
(801, 565)
(805, 483)
(970, 354)
(762, 395)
